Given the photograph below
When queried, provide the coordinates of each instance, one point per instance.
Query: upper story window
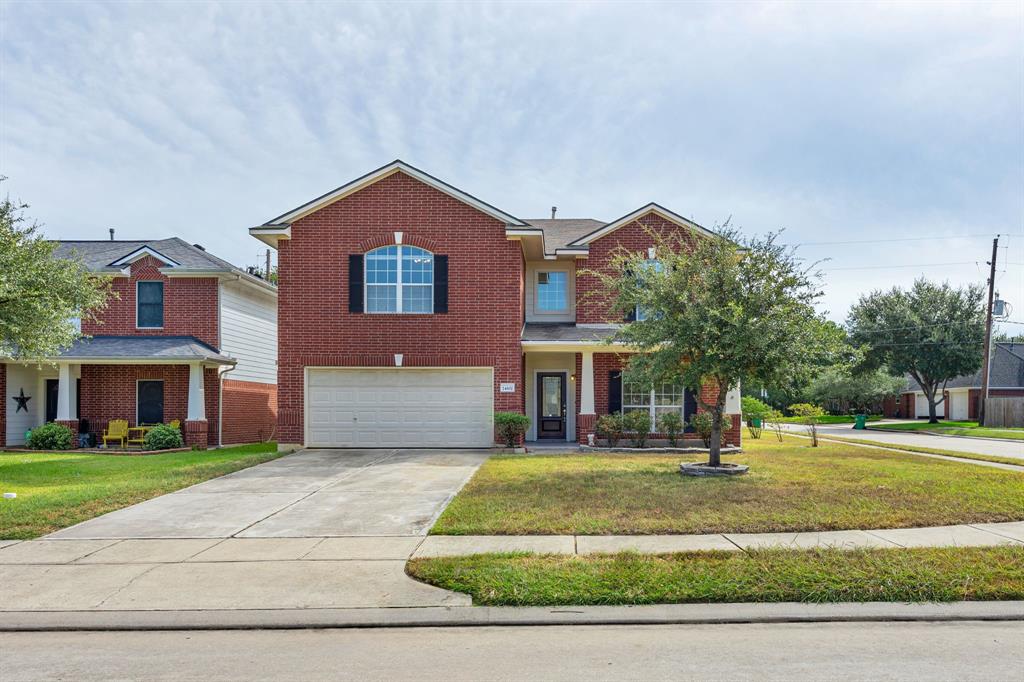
(399, 279)
(552, 291)
(149, 305)
(640, 314)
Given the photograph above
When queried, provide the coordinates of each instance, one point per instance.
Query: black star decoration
(22, 400)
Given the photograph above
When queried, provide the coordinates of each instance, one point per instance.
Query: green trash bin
(860, 421)
(756, 422)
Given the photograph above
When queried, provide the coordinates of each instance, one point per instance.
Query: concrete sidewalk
(966, 444)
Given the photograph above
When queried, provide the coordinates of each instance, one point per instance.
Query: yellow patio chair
(175, 424)
(117, 430)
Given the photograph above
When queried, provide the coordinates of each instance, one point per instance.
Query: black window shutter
(631, 315)
(614, 392)
(355, 283)
(440, 284)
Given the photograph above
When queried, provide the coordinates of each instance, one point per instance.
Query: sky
(847, 125)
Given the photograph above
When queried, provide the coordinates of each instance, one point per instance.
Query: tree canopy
(40, 296)
(933, 332)
(720, 310)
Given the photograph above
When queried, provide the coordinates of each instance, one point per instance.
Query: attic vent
(199, 246)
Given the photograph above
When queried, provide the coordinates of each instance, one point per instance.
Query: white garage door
(958, 405)
(922, 406)
(384, 408)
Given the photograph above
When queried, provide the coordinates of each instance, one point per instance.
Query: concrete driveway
(314, 493)
(316, 529)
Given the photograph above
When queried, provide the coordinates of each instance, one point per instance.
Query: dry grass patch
(791, 487)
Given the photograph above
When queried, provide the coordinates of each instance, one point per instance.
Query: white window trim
(139, 381)
(652, 406)
(398, 284)
(163, 302)
(536, 293)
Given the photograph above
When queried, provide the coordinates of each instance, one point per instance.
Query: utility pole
(988, 332)
(267, 271)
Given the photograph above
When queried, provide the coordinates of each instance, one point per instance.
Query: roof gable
(285, 219)
(636, 215)
(142, 252)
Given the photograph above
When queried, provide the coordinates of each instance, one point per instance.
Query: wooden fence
(1004, 412)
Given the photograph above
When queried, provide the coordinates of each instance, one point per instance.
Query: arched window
(399, 279)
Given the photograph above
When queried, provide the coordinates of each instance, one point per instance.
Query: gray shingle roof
(551, 331)
(145, 347)
(559, 232)
(98, 255)
(1007, 370)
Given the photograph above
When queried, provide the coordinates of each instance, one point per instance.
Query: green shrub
(511, 427)
(703, 423)
(671, 424)
(51, 436)
(163, 437)
(610, 427)
(638, 425)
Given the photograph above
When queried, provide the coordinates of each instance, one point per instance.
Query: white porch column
(65, 392)
(196, 393)
(587, 383)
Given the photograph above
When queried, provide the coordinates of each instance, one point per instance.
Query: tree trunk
(715, 452)
(932, 419)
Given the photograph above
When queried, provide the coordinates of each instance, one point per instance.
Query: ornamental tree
(719, 311)
(933, 332)
(40, 296)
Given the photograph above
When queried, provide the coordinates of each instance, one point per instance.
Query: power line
(903, 239)
(911, 265)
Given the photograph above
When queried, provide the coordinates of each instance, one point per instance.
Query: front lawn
(820, 575)
(955, 428)
(791, 487)
(831, 419)
(60, 489)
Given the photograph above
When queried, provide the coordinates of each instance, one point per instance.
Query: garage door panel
(400, 407)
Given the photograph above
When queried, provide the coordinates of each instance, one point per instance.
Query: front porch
(152, 382)
(572, 377)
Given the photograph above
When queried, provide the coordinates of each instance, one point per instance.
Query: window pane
(417, 298)
(634, 395)
(667, 394)
(417, 266)
(150, 304)
(382, 266)
(551, 290)
(381, 298)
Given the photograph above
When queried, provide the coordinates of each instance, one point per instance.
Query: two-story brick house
(187, 337)
(411, 311)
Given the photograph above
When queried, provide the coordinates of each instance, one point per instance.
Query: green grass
(831, 419)
(791, 487)
(60, 489)
(821, 575)
(931, 451)
(955, 428)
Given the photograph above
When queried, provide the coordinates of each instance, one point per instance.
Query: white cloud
(836, 121)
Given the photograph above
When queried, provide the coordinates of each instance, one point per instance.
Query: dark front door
(51, 399)
(689, 409)
(551, 405)
(151, 402)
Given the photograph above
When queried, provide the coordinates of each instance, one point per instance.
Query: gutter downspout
(220, 405)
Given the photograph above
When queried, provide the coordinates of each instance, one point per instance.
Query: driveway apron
(316, 529)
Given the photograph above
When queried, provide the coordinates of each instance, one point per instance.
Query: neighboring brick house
(411, 311)
(188, 337)
(963, 393)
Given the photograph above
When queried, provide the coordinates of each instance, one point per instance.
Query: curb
(665, 614)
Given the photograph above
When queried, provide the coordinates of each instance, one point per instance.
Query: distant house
(189, 337)
(964, 392)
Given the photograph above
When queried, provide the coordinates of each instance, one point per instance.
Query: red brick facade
(485, 275)
(250, 411)
(190, 306)
(109, 392)
(591, 306)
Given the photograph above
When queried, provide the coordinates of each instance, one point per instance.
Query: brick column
(195, 433)
(585, 426)
(734, 434)
(73, 425)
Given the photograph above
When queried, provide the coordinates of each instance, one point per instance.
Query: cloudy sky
(853, 123)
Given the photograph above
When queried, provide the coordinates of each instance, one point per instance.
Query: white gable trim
(381, 173)
(636, 215)
(271, 234)
(142, 252)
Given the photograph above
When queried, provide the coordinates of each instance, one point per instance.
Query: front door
(551, 405)
(51, 399)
